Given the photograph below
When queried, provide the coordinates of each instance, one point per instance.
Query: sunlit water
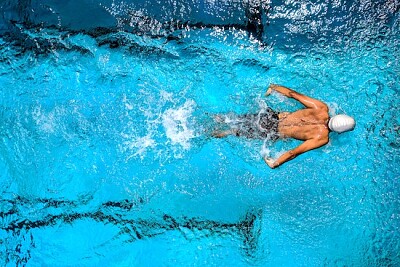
(106, 157)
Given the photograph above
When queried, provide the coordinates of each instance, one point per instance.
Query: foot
(221, 134)
(219, 118)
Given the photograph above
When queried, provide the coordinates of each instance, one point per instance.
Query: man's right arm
(291, 154)
(305, 100)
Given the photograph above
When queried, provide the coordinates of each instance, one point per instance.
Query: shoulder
(322, 106)
(320, 135)
(321, 111)
(323, 136)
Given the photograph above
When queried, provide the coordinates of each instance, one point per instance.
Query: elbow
(323, 141)
(292, 94)
(292, 154)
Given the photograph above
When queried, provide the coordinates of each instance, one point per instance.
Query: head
(341, 123)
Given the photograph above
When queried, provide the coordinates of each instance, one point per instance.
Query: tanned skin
(309, 125)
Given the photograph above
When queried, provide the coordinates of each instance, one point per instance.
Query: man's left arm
(303, 99)
(291, 154)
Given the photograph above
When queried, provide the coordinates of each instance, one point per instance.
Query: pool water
(106, 157)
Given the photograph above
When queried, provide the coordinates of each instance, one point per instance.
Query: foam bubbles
(140, 145)
(265, 151)
(333, 108)
(175, 122)
(159, 126)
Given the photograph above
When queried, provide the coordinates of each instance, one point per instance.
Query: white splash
(265, 151)
(333, 108)
(138, 144)
(175, 122)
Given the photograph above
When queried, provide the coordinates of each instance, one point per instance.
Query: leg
(218, 118)
(222, 134)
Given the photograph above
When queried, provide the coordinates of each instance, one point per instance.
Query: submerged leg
(222, 134)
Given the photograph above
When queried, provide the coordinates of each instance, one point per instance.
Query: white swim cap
(341, 123)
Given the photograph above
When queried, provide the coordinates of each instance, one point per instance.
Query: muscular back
(305, 124)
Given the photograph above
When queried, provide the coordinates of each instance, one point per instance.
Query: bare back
(305, 124)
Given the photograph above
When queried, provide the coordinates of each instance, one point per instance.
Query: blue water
(105, 153)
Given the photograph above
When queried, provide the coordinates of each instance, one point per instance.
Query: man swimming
(311, 124)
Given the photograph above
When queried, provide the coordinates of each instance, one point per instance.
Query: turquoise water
(106, 159)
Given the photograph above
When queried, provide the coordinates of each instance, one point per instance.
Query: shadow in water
(119, 213)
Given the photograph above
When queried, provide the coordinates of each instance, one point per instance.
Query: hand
(270, 162)
(270, 89)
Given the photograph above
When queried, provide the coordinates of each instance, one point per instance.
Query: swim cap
(341, 123)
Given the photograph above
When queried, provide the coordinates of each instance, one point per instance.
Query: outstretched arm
(305, 100)
(291, 154)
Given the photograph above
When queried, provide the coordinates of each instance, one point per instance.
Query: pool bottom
(81, 137)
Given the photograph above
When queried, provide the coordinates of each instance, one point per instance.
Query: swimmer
(311, 124)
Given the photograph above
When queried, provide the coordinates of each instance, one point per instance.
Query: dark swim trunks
(263, 125)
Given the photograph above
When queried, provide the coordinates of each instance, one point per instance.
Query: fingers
(269, 162)
(269, 91)
(271, 87)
